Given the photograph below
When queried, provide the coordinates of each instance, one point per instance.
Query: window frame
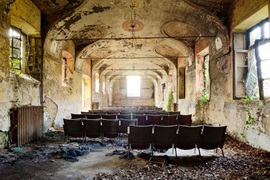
(245, 50)
(12, 58)
(138, 94)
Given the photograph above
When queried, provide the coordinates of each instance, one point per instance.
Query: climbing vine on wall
(170, 100)
(250, 120)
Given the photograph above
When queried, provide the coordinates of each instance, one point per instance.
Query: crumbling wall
(120, 94)
(60, 99)
(15, 90)
(6, 92)
(222, 109)
(236, 111)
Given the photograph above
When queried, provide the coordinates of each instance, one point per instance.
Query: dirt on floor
(53, 158)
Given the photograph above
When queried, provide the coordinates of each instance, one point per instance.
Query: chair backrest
(212, 137)
(110, 127)
(154, 119)
(184, 119)
(109, 116)
(111, 112)
(76, 116)
(141, 119)
(174, 112)
(164, 136)
(188, 136)
(124, 116)
(93, 116)
(96, 111)
(124, 123)
(73, 127)
(92, 127)
(169, 120)
(140, 137)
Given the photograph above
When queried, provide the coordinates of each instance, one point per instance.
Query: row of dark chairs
(94, 128)
(182, 137)
(148, 119)
(131, 108)
(130, 112)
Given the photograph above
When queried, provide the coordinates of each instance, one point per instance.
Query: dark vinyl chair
(111, 112)
(73, 128)
(110, 128)
(164, 136)
(93, 116)
(109, 116)
(154, 119)
(141, 119)
(140, 137)
(124, 123)
(77, 116)
(212, 137)
(169, 120)
(174, 112)
(184, 119)
(124, 116)
(92, 127)
(187, 137)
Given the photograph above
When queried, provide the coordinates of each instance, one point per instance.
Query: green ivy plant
(14, 64)
(170, 100)
(250, 120)
(200, 107)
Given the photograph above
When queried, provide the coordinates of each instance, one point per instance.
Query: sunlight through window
(133, 86)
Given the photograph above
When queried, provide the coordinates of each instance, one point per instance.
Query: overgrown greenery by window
(203, 100)
(257, 78)
(15, 55)
(170, 101)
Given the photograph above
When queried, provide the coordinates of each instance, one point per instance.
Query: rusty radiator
(26, 124)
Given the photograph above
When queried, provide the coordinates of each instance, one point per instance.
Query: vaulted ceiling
(118, 37)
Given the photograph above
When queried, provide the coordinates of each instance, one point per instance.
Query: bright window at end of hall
(97, 82)
(133, 86)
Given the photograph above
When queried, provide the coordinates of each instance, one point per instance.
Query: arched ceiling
(124, 36)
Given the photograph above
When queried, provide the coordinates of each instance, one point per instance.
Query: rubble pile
(240, 162)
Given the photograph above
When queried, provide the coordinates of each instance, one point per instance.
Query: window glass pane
(133, 86)
(266, 30)
(265, 57)
(97, 82)
(254, 34)
(265, 67)
(266, 88)
(14, 33)
(206, 76)
(264, 51)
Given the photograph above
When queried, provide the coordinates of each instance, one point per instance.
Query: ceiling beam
(128, 38)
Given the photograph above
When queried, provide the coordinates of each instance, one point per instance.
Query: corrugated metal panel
(26, 124)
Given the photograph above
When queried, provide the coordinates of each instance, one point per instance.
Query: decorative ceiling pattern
(135, 34)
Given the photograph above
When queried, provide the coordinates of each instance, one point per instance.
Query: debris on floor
(124, 154)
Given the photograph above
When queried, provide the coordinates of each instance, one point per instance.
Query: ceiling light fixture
(133, 19)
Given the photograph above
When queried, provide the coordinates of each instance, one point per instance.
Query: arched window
(133, 86)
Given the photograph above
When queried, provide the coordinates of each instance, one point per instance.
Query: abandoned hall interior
(206, 58)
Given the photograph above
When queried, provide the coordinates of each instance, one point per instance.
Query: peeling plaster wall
(258, 134)
(222, 109)
(15, 90)
(60, 100)
(243, 9)
(120, 94)
(6, 93)
(20, 12)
